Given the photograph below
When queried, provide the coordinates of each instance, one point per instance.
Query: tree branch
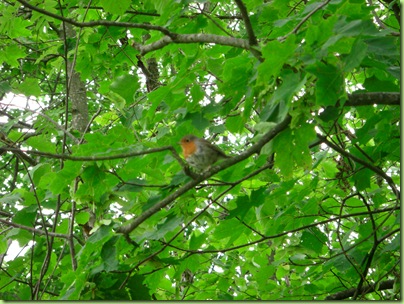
(98, 22)
(252, 39)
(54, 123)
(33, 230)
(188, 186)
(364, 290)
(95, 158)
(169, 38)
(192, 38)
(263, 239)
(294, 31)
(372, 98)
(375, 169)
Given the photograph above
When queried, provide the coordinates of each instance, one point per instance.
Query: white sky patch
(15, 250)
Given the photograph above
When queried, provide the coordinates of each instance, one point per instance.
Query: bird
(199, 153)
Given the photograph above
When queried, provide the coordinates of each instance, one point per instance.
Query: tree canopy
(304, 97)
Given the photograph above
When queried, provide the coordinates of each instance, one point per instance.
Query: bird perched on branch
(199, 153)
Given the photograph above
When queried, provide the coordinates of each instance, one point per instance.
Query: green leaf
(362, 179)
(58, 181)
(109, 254)
(282, 144)
(236, 72)
(198, 120)
(228, 228)
(29, 87)
(113, 7)
(196, 240)
(197, 93)
(125, 86)
(235, 124)
(276, 53)
(330, 114)
(3, 245)
(243, 205)
(10, 55)
(329, 84)
(103, 234)
(313, 239)
(26, 216)
(17, 28)
(82, 218)
(41, 143)
(171, 223)
(137, 289)
(355, 57)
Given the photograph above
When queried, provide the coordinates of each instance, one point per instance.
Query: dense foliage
(95, 96)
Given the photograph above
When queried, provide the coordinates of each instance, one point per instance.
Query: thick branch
(188, 186)
(192, 38)
(368, 99)
(365, 289)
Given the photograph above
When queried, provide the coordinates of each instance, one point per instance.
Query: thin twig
(294, 31)
(98, 158)
(33, 230)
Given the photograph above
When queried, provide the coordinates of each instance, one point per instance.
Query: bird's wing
(216, 148)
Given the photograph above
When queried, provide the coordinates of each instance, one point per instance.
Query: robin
(199, 153)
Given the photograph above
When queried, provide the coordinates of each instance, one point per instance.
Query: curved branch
(98, 22)
(188, 186)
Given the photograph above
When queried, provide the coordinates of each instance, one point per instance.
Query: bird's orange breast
(188, 148)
